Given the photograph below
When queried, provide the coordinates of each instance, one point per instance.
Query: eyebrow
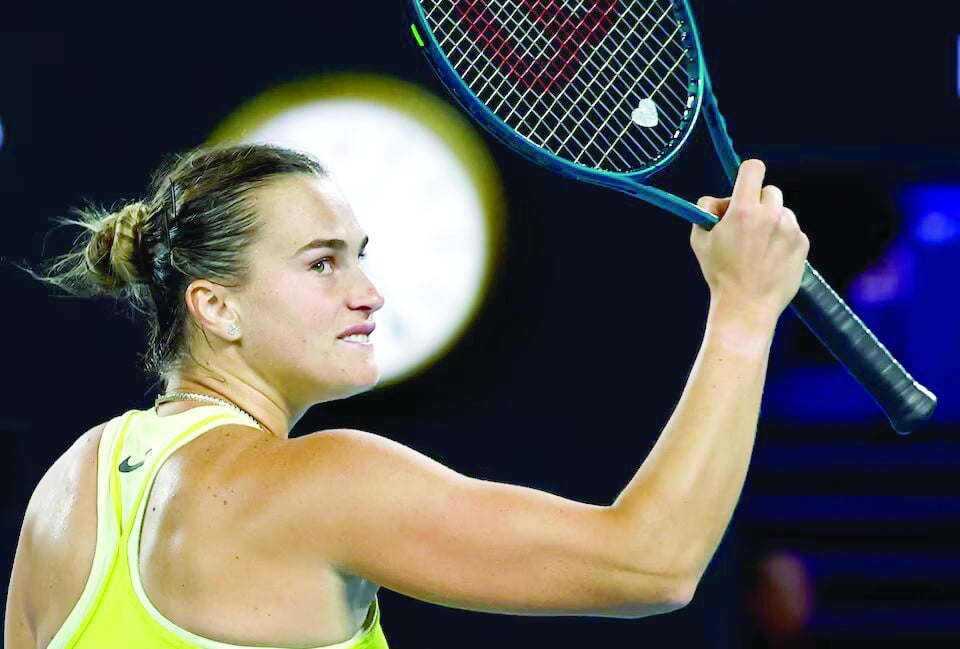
(335, 244)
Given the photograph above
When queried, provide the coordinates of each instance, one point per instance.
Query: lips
(365, 328)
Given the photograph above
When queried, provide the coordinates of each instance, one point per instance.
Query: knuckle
(772, 213)
(742, 213)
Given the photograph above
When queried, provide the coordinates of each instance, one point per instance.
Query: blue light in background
(891, 280)
(909, 300)
(937, 227)
(936, 213)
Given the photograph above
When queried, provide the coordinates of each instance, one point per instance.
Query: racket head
(544, 106)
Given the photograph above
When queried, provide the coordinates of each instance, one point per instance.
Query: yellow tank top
(113, 611)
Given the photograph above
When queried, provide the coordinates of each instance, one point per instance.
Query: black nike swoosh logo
(126, 467)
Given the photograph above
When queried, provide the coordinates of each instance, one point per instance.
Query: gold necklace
(204, 398)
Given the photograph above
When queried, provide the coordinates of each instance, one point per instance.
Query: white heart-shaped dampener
(645, 114)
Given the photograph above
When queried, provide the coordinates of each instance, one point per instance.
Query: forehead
(299, 208)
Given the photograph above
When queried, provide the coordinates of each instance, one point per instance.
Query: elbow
(682, 594)
(677, 596)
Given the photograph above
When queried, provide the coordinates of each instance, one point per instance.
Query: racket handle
(906, 403)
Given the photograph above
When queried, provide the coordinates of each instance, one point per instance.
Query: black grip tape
(906, 403)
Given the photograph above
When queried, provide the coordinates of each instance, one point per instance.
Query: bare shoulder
(326, 462)
(343, 438)
(63, 508)
(376, 508)
(343, 469)
(346, 443)
(341, 457)
(73, 473)
(57, 542)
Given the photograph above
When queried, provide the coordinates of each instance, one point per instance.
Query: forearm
(678, 505)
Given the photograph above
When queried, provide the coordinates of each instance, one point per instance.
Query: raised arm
(688, 486)
(378, 509)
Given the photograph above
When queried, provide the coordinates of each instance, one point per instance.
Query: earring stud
(232, 330)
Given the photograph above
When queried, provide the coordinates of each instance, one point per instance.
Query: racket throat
(667, 201)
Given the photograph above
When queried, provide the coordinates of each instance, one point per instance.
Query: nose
(366, 297)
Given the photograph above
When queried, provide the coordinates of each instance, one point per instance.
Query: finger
(716, 206)
(788, 220)
(708, 203)
(771, 195)
(746, 191)
(788, 232)
(723, 206)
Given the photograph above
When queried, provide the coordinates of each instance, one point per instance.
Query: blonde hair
(147, 252)
(106, 261)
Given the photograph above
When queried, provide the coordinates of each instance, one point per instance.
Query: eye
(325, 263)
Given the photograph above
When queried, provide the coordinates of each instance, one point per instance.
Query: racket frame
(907, 403)
(633, 182)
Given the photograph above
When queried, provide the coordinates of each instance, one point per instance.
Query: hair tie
(166, 221)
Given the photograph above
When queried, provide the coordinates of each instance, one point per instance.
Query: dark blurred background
(846, 533)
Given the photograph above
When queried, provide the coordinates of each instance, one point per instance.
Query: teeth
(357, 338)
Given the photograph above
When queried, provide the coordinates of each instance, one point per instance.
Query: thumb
(716, 206)
(708, 204)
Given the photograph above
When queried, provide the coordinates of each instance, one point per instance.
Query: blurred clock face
(432, 229)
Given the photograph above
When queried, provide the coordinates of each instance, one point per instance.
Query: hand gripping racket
(608, 92)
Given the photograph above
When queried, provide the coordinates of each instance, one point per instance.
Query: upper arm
(18, 625)
(395, 517)
(39, 576)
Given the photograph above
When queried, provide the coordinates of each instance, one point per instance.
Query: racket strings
(618, 107)
(541, 52)
(604, 140)
(490, 94)
(584, 118)
(610, 84)
(568, 75)
(496, 93)
(557, 26)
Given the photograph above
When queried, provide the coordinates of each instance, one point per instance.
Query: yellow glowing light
(422, 185)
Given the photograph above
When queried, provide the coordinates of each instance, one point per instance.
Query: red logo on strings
(553, 69)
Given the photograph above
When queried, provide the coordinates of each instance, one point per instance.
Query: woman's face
(304, 290)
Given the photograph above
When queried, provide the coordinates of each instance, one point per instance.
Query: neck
(270, 410)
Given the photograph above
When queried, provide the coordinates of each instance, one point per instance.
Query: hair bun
(114, 249)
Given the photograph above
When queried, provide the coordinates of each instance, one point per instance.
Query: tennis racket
(608, 92)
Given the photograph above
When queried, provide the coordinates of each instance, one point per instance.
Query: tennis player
(198, 522)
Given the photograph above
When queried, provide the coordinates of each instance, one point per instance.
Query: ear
(207, 304)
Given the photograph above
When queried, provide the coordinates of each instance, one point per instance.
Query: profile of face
(305, 288)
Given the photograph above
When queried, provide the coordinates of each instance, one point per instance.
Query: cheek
(295, 319)
(293, 314)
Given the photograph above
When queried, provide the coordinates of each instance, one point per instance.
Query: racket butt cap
(915, 410)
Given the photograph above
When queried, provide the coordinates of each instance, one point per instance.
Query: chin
(351, 385)
(370, 382)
